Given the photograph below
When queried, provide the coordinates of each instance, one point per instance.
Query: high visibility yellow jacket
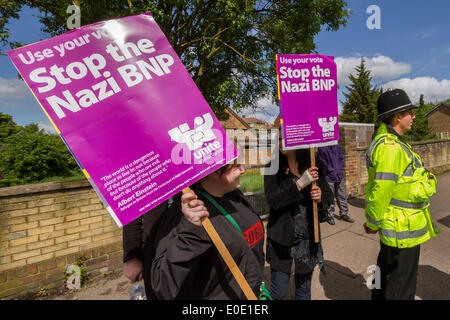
(397, 192)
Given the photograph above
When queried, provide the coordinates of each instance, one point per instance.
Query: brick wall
(45, 227)
(355, 139)
(435, 154)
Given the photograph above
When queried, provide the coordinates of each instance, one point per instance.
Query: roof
(442, 104)
(234, 114)
(250, 120)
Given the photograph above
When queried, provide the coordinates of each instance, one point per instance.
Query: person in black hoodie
(137, 243)
(187, 265)
(290, 229)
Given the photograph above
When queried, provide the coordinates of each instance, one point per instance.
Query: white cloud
(430, 32)
(432, 89)
(340, 107)
(266, 110)
(13, 89)
(47, 126)
(381, 67)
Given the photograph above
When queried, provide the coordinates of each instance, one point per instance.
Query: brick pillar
(347, 142)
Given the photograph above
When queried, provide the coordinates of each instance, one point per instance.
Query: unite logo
(195, 138)
(328, 126)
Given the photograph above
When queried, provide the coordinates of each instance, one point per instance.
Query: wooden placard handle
(312, 151)
(226, 256)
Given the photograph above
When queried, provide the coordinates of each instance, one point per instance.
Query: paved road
(348, 253)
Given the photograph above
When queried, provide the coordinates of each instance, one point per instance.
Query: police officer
(397, 196)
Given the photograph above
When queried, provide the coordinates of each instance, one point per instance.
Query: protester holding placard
(290, 228)
(186, 264)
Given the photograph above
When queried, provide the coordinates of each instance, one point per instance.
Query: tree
(31, 155)
(361, 103)
(420, 130)
(7, 127)
(421, 101)
(228, 46)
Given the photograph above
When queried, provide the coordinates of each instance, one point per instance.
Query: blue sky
(411, 50)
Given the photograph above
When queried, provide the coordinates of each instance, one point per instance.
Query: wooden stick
(316, 216)
(226, 256)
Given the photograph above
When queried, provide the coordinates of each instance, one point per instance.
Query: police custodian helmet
(392, 102)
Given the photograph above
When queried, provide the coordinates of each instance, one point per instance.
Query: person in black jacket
(187, 265)
(290, 229)
(137, 243)
(333, 160)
